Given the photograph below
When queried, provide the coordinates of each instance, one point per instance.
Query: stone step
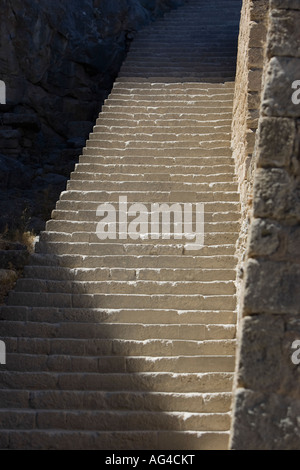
(170, 94)
(144, 381)
(103, 365)
(60, 315)
(99, 141)
(170, 108)
(193, 70)
(164, 120)
(109, 347)
(127, 287)
(116, 440)
(79, 400)
(213, 164)
(158, 138)
(123, 128)
(94, 149)
(105, 274)
(169, 301)
(135, 175)
(128, 185)
(180, 75)
(135, 262)
(210, 207)
(167, 99)
(135, 249)
(151, 197)
(89, 215)
(198, 86)
(110, 420)
(70, 226)
(166, 125)
(117, 331)
(211, 240)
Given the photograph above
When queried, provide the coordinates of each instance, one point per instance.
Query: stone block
(264, 237)
(276, 195)
(276, 142)
(282, 72)
(265, 422)
(284, 33)
(258, 33)
(272, 287)
(289, 4)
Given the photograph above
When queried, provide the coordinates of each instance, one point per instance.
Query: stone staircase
(130, 344)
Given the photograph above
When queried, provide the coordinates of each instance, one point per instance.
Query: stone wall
(267, 395)
(250, 61)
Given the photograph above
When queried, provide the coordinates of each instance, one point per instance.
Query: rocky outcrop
(58, 60)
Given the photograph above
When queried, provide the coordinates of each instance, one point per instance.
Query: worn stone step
(171, 124)
(104, 274)
(136, 262)
(158, 140)
(150, 197)
(207, 302)
(81, 173)
(152, 116)
(141, 249)
(116, 440)
(168, 100)
(210, 207)
(170, 108)
(78, 400)
(124, 287)
(109, 420)
(127, 185)
(88, 214)
(85, 315)
(211, 239)
(214, 163)
(137, 138)
(119, 364)
(128, 128)
(93, 149)
(71, 226)
(145, 381)
(109, 347)
(117, 331)
(212, 143)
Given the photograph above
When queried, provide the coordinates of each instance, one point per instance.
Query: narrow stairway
(130, 343)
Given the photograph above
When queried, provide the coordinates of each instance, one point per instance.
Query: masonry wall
(250, 62)
(267, 395)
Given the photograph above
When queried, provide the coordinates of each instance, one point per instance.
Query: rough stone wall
(267, 396)
(250, 61)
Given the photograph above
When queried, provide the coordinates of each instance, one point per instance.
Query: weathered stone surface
(277, 97)
(284, 34)
(276, 142)
(272, 287)
(266, 422)
(264, 237)
(266, 353)
(290, 4)
(276, 194)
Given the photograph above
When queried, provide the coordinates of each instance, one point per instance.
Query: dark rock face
(58, 59)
